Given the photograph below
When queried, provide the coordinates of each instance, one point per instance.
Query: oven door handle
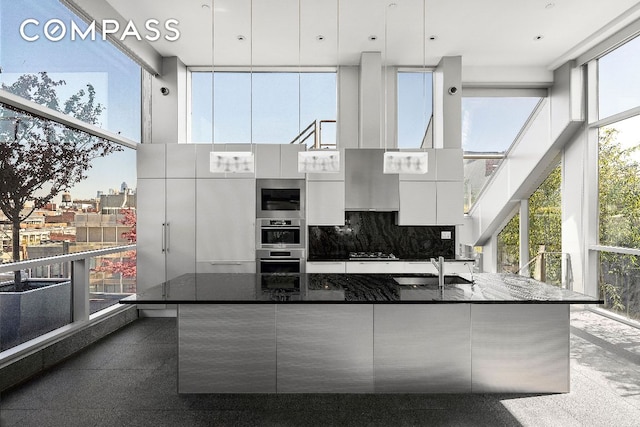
(271, 260)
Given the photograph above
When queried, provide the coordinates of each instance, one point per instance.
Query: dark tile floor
(129, 379)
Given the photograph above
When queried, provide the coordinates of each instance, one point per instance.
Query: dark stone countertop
(247, 288)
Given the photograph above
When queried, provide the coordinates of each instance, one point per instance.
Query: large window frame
(595, 248)
(498, 92)
(249, 70)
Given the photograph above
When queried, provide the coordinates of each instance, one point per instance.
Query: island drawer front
(325, 348)
(520, 348)
(226, 348)
(422, 349)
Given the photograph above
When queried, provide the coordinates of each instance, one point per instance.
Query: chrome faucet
(439, 265)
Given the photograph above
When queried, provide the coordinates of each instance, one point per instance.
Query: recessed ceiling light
(538, 37)
(320, 37)
(241, 38)
(373, 38)
(433, 38)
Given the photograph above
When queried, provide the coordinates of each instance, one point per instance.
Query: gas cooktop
(371, 255)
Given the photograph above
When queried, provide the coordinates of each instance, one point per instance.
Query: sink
(428, 280)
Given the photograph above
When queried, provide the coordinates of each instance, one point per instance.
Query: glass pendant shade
(231, 162)
(411, 162)
(319, 161)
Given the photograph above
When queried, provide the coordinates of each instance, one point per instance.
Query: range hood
(367, 188)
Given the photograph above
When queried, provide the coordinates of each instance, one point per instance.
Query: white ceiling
(488, 34)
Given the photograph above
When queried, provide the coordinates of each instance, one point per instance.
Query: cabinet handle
(168, 231)
(164, 226)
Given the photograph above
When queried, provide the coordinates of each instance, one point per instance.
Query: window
(509, 246)
(619, 183)
(490, 125)
(618, 252)
(114, 77)
(281, 106)
(415, 108)
(618, 86)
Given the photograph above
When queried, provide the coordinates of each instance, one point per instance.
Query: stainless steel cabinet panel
(226, 267)
(150, 245)
(166, 232)
(366, 187)
(422, 349)
(226, 348)
(325, 348)
(180, 227)
(225, 219)
(520, 348)
(325, 202)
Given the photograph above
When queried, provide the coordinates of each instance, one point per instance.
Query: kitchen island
(368, 333)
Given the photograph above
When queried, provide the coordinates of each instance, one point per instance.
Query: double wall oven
(280, 234)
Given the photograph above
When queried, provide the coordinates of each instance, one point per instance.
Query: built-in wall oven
(280, 233)
(285, 267)
(280, 198)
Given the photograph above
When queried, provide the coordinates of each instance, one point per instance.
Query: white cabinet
(325, 202)
(225, 222)
(449, 164)
(450, 203)
(166, 232)
(373, 267)
(326, 267)
(417, 203)
(278, 160)
(423, 267)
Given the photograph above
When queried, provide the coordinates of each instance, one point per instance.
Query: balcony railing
(64, 289)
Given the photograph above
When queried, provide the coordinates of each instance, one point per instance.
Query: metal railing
(314, 129)
(553, 268)
(80, 273)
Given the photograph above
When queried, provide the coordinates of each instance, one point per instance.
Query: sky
(115, 77)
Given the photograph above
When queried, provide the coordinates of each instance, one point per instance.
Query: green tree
(39, 159)
(545, 227)
(619, 222)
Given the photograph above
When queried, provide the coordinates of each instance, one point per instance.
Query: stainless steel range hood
(366, 187)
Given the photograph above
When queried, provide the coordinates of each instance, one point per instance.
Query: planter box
(29, 314)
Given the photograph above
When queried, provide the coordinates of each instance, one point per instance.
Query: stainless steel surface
(280, 184)
(325, 348)
(225, 219)
(282, 225)
(520, 348)
(367, 188)
(440, 267)
(226, 348)
(422, 349)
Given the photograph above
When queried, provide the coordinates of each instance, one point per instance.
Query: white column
(524, 236)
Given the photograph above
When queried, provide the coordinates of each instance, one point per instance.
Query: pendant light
(407, 162)
(317, 159)
(229, 161)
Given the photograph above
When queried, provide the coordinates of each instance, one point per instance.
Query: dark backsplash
(377, 232)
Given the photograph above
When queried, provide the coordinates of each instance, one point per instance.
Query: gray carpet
(129, 379)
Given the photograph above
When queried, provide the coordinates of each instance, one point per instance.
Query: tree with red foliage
(126, 267)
